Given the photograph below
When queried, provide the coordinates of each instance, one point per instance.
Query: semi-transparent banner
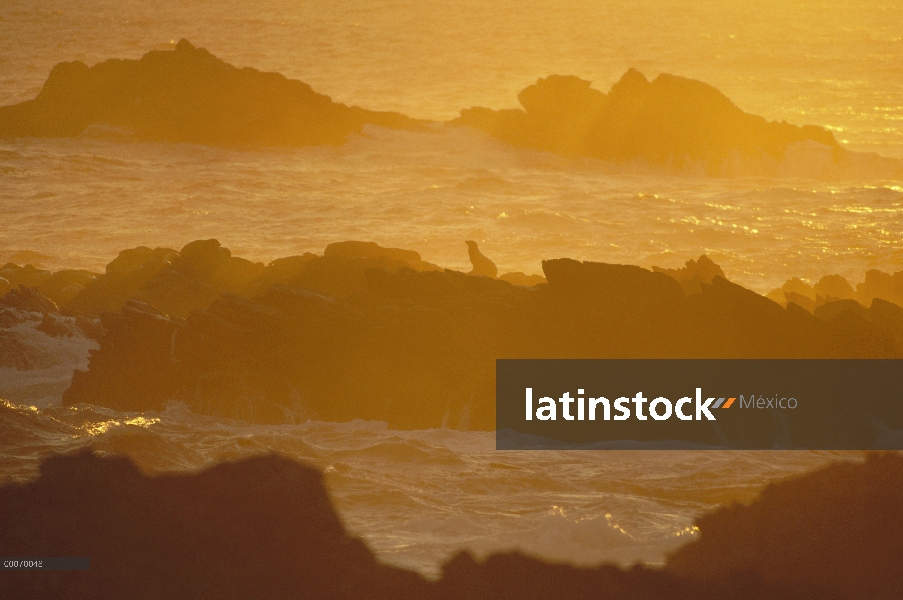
(699, 404)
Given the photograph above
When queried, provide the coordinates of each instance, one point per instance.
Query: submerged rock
(187, 95)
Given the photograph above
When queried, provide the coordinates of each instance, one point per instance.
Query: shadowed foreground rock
(264, 527)
(259, 528)
(187, 95)
(840, 527)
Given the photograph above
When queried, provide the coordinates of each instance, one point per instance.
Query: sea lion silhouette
(481, 264)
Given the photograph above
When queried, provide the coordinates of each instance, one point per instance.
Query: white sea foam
(53, 359)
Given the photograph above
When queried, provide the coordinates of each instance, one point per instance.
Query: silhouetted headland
(264, 527)
(187, 95)
(377, 333)
(671, 121)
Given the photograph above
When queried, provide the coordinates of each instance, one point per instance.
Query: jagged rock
(187, 95)
(841, 527)
(834, 286)
(481, 264)
(671, 121)
(28, 300)
(792, 286)
(829, 310)
(804, 301)
(880, 285)
(694, 274)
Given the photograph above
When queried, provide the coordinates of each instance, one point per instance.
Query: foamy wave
(48, 348)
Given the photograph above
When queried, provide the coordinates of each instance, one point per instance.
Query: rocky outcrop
(671, 121)
(840, 527)
(61, 286)
(360, 333)
(830, 288)
(694, 274)
(264, 527)
(179, 281)
(187, 95)
(26, 299)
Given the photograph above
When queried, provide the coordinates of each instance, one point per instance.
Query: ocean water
(417, 497)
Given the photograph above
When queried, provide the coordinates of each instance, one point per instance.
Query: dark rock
(133, 259)
(259, 528)
(357, 334)
(829, 310)
(519, 278)
(880, 285)
(353, 249)
(887, 314)
(264, 527)
(55, 326)
(803, 301)
(187, 95)
(513, 575)
(694, 274)
(792, 286)
(672, 121)
(28, 275)
(60, 286)
(28, 300)
(199, 274)
(840, 527)
(135, 356)
(834, 286)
